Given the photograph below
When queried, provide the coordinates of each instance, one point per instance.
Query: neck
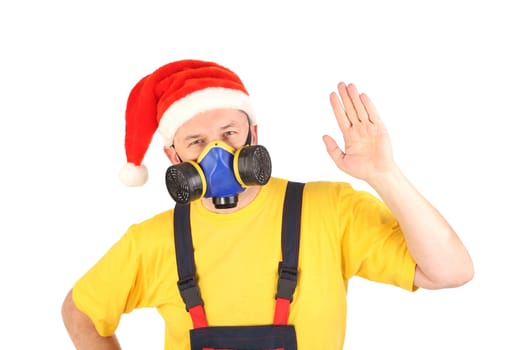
(245, 198)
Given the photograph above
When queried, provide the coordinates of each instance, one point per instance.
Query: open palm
(368, 150)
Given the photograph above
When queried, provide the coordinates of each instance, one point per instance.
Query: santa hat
(167, 98)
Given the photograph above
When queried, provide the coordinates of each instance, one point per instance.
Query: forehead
(217, 118)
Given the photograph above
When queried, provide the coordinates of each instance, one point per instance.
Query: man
(203, 111)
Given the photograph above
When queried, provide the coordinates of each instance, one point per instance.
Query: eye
(196, 142)
(229, 133)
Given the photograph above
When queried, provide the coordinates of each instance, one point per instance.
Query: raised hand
(368, 151)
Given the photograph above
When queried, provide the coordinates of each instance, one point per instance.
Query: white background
(442, 74)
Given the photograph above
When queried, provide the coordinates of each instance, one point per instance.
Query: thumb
(332, 149)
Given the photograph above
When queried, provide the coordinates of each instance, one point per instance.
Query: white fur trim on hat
(133, 175)
(201, 101)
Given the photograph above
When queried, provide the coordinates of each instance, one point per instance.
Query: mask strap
(249, 137)
(180, 159)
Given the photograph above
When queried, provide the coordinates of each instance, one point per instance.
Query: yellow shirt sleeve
(373, 245)
(110, 287)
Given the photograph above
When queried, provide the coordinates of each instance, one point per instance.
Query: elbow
(448, 277)
(463, 272)
(454, 280)
(451, 268)
(464, 275)
(458, 276)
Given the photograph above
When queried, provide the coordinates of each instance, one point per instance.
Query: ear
(170, 152)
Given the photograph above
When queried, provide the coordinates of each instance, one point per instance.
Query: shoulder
(329, 189)
(162, 219)
(317, 189)
(314, 187)
(157, 228)
(338, 196)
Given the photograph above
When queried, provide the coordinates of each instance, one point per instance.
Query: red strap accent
(282, 310)
(199, 319)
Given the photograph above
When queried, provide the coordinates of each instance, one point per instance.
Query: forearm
(437, 250)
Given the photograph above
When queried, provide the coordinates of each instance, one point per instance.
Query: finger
(371, 109)
(343, 121)
(350, 111)
(361, 113)
(333, 150)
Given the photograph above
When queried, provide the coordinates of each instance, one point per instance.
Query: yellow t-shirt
(344, 233)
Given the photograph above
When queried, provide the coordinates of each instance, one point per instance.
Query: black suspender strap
(288, 267)
(187, 283)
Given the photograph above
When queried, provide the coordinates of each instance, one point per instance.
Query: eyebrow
(229, 125)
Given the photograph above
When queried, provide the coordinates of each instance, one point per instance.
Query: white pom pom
(133, 175)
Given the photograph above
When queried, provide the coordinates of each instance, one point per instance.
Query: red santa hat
(167, 98)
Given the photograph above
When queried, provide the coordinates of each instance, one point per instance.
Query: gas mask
(220, 173)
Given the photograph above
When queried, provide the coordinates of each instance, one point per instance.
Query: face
(228, 125)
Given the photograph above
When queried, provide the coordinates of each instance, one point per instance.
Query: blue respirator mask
(220, 173)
